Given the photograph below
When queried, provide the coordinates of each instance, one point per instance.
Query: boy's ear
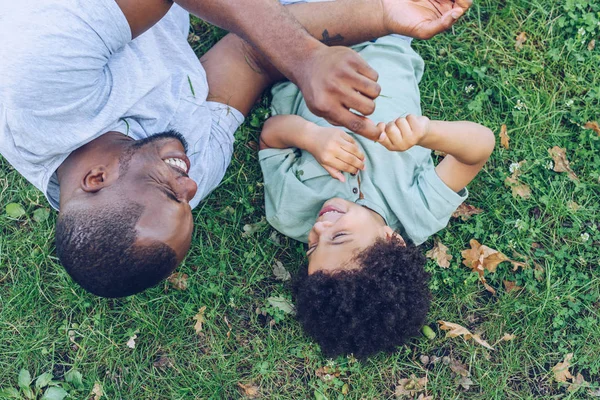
(390, 233)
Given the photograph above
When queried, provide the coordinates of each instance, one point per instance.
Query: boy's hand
(337, 152)
(403, 133)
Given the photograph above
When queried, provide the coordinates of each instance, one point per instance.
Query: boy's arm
(468, 145)
(333, 148)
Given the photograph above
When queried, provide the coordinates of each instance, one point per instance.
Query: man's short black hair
(98, 249)
(376, 307)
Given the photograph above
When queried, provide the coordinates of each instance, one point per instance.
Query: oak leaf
(561, 164)
(519, 40)
(577, 382)
(439, 253)
(510, 286)
(593, 125)
(480, 258)
(281, 274)
(455, 330)
(249, 390)
(504, 138)
(466, 211)
(410, 386)
(592, 45)
(97, 391)
(561, 369)
(199, 319)
(178, 280)
(519, 189)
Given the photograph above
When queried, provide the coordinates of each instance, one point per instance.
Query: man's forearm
(288, 34)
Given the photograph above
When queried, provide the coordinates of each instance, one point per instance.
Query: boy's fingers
(404, 126)
(393, 133)
(335, 173)
(384, 140)
(350, 163)
(354, 150)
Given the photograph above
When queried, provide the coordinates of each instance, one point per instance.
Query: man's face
(342, 230)
(156, 177)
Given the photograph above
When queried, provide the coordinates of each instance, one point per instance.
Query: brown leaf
(504, 138)
(281, 274)
(327, 374)
(519, 40)
(592, 45)
(465, 382)
(510, 286)
(561, 164)
(519, 189)
(178, 280)
(439, 253)
(163, 362)
(578, 382)
(459, 368)
(593, 125)
(466, 211)
(199, 319)
(480, 258)
(561, 369)
(455, 330)
(410, 386)
(249, 390)
(97, 391)
(508, 337)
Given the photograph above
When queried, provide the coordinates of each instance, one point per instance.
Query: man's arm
(333, 81)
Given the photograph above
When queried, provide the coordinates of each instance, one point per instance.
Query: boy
(363, 206)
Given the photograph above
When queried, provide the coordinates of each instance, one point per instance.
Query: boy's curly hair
(370, 309)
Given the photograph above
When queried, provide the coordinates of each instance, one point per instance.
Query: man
(85, 86)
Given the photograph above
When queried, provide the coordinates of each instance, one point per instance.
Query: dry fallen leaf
(593, 125)
(410, 386)
(504, 138)
(327, 374)
(561, 369)
(281, 274)
(465, 382)
(466, 211)
(507, 337)
(519, 189)
(97, 391)
(480, 258)
(199, 319)
(577, 382)
(251, 229)
(163, 362)
(561, 164)
(439, 253)
(510, 286)
(131, 342)
(249, 390)
(592, 45)
(178, 280)
(458, 368)
(519, 40)
(458, 330)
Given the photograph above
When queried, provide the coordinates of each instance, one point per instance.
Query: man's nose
(186, 188)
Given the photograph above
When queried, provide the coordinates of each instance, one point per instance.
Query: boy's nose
(321, 226)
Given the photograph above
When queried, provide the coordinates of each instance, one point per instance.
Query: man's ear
(96, 179)
(389, 232)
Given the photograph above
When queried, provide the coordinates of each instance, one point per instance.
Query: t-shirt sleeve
(60, 59)
(433, 204)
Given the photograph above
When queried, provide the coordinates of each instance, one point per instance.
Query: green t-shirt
(402, 187)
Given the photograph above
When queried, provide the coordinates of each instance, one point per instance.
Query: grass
(544, 93)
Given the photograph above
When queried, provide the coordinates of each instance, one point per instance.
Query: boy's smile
(342, 230)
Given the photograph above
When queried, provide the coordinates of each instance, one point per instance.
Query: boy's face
(342, 230)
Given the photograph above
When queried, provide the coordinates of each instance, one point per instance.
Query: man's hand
(336, 151)
(334, 80)
(403, 133)
(422, 19)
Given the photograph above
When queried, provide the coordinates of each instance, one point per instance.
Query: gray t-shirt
(69, 72)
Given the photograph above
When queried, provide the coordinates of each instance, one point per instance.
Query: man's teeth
(177, 163)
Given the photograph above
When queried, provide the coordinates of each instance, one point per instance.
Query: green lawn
(544, 93)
